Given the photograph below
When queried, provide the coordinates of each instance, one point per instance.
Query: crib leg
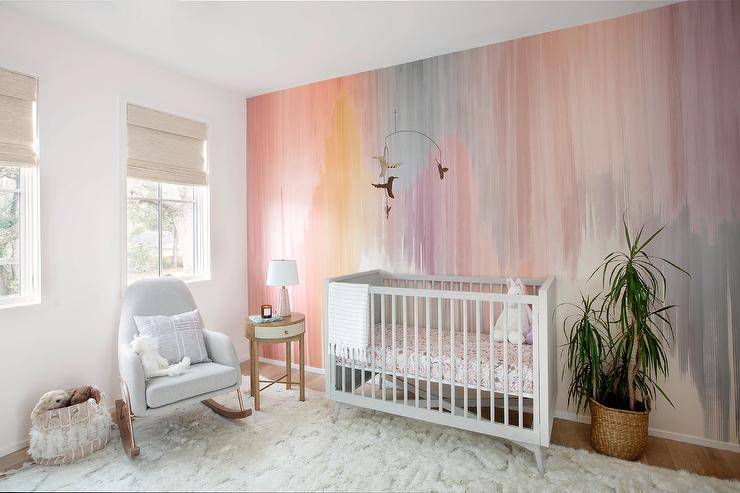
(337, 407)
(538, 457)
(537, 451)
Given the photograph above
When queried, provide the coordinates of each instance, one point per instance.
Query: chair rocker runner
(202, 382)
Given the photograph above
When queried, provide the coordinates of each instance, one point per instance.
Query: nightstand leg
(254, 373)
(288, 364)
(301, 368)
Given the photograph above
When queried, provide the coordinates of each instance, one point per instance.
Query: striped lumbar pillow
(178, 336)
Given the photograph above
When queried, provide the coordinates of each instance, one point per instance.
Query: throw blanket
(349, 312)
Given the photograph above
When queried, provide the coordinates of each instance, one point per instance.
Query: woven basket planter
(61, 436)
(618, 433)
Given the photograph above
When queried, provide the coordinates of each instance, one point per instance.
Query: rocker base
(227, 412)
(125, 428)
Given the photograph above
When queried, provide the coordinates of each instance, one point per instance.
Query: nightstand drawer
(278, 332)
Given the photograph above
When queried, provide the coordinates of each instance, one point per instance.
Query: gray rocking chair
(203, 381)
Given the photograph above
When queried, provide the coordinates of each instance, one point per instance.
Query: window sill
(190, 281)
(18, 302)
(187, 280)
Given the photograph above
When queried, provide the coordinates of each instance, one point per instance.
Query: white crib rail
(457, 305)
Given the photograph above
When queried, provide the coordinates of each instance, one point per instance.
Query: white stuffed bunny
(512, 331)
(147, 347)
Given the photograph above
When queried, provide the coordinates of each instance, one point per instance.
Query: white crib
(431, 356)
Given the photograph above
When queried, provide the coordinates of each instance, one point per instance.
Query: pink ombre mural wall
(548, 140)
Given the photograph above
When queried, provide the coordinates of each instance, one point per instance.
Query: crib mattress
(432, 361)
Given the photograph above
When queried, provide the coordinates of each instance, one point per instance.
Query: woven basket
(618, 433)
(64, 435)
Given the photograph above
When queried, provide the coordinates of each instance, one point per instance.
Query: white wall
(69, 339)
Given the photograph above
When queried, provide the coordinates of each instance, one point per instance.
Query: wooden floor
(660, 452)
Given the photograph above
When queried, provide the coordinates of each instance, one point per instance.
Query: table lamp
(282, 273)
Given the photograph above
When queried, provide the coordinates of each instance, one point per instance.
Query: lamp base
(283, 308)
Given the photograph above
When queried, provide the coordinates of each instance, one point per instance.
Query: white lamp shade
(282, 273)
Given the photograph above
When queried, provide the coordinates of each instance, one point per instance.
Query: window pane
(143, 241)
(9, 244)
(145, 189)
(9, 178)
(177, 238)
(177, 192)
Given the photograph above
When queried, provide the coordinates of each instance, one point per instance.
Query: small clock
(266, 311)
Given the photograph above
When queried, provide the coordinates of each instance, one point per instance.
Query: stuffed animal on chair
(511, 332)
(147, 347)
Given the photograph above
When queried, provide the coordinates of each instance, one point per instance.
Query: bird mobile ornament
(387, 164)
(384, 164)
(442, 170)
(388, 186)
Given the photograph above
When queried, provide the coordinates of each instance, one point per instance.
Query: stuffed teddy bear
(512, 331)
(54, 399)
(82, 394)
(147, 347)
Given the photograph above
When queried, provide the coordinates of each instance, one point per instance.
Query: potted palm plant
(617, 347)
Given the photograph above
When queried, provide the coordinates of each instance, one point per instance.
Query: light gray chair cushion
(199, 379)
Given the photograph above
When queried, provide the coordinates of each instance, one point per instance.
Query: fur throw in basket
(63, 435)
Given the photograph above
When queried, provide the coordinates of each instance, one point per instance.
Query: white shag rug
(292, 445)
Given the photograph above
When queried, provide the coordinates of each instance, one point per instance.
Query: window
(166, 196)
(19, 260)
(166, 230)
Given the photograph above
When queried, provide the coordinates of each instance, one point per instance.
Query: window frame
(202, 224)
(201, 252)
(28, 239)
(30, 230)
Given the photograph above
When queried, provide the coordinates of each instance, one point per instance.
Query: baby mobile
(386, 163)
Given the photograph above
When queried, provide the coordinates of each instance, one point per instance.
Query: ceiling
(258, 47)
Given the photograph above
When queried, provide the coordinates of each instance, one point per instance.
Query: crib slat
(344, 356)
(372, 345)
(333, 359)
(405, 354)
(416, 351)
(453, 376)
(519, 367)
(535, 368)
(393, 344)
(429, 354)
(465, 358)
(491, 360)
(477, 354)
(383, 385)
(363, 365)
(505, 363)
(439, 351)
(353, 372)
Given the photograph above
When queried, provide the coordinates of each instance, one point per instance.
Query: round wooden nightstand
(287, 330)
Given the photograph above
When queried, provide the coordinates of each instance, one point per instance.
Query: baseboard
(670, 435)
(279, 362)
(13, 448)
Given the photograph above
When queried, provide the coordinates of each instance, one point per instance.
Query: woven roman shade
(17, 125)
(165, 148)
